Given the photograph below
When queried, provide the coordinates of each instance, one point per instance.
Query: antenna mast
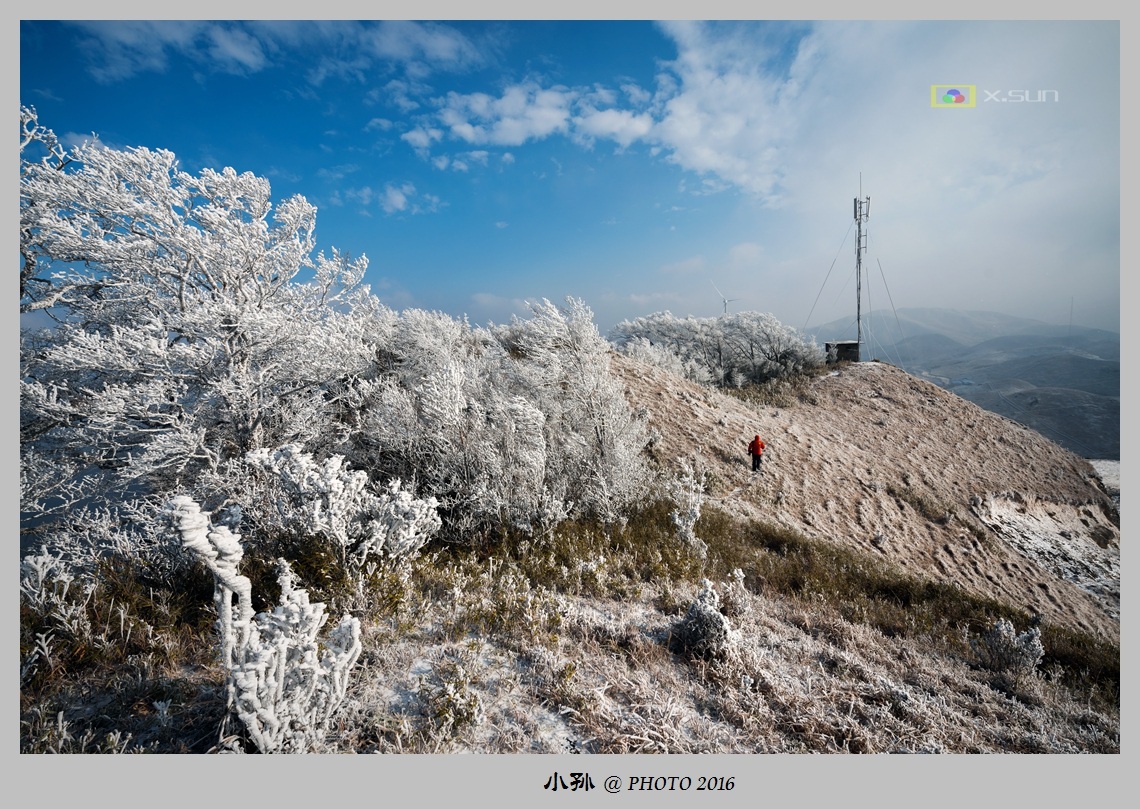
(862, 212)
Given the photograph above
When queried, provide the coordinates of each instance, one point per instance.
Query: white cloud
(421, 139)
(362, 196)
(636, 94)
(336, 173)
(599, 95)
(119, 49)
(399, 93)
(424, 43)
(430, 204)
(394, 199)
(404, 198)
(622, 126)
(283, 174)
(723, 110)
(235, 50)
(522, 113)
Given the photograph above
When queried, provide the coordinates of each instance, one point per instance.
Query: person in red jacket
(756, 449)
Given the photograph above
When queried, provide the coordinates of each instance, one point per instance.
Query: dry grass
(569, 643)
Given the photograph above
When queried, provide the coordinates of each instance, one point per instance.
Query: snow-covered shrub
(222, 552)
(560, 363)
(76, 613)
(388, 526)
(509, 426)
(688, 493)
(50, 732)
(48, 588)
(451, 704)
(53, 608)
(288, 682)
(705, 631)
(281, 681)
(736, 600)
(442, 409)
(1003, 651)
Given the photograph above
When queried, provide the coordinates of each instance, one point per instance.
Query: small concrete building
(842, 351)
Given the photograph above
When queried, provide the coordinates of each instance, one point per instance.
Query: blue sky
(637, 165)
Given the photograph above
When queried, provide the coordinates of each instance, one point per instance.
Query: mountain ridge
(972, 353)
(1025, 521)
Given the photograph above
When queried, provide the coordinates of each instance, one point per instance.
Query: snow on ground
(1109, 472)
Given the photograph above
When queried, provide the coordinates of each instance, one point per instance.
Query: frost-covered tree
(594, 440)
(438, 410)
(759, 347)
(186, 340)
(641, 349)
(183, 338)
(729, 350)
(518, 424)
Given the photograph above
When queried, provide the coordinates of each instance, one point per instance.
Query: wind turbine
(727, 301)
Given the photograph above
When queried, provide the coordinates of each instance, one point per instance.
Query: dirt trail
(864, 450)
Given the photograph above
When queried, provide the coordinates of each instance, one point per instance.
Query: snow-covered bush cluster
(705, 631)
(452, 704)
(339, 504)
(730, 350)
(185, 340)
(199, 347)
(1002, 650)
(506, 425)
(687, 490)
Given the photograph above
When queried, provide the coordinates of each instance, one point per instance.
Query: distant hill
(1062, 381)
